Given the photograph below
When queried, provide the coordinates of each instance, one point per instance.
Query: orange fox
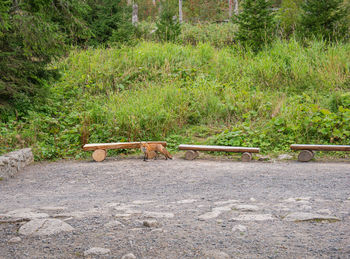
(150, 149)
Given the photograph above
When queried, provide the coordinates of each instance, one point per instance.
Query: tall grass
(287, 93)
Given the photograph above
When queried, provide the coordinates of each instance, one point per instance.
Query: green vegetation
(168, 27)
(194, 94)
(255, 24)
(326, 19)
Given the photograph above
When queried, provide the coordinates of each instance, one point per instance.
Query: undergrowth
(286, 94)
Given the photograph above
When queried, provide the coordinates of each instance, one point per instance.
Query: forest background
(241, 73)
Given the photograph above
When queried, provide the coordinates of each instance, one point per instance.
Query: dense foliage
(287, 93)
(109, 21)
(32, 33)
(255, 24)
(324, 18)
(168, 26)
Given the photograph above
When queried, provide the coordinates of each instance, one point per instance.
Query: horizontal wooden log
(119, 145)
(320, 147)
(219, 148)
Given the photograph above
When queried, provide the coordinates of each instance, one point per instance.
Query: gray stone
(13, 162)
(285, 157)
(154, 214)
(43, 227)
(25, 213)
(306, 207)
(15, 240)
(324, 212)
(246, 207)
(253, 217)
(186, 201)
(151, 223)
(129, 256)
(305, 216)
(239, 228)
(215, 254)
(114, 224)
(97, 251)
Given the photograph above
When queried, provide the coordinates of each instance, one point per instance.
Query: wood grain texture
(99, 155)
(118, 145)
(219, 148)
(320, 147)
(191, 154)
(306, 155)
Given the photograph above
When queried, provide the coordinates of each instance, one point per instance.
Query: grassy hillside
(288, 93)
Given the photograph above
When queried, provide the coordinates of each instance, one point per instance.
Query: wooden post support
(191, 154)
(306, 155)
(99, 155)
(246, 157)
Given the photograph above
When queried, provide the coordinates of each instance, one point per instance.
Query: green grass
(286, 94)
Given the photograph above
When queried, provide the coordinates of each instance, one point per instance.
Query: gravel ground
(178, 209)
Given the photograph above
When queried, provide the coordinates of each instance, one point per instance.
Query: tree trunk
(180, 11)
(230, 8)
(236, 7)
(135, 18)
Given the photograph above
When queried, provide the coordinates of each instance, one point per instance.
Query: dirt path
(178, 209)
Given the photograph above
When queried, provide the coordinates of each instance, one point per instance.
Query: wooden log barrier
(100, 149)
(192, 150)
(307, 151)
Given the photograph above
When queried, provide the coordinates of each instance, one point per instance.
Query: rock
(215, 254)
(305, 207)
(150, 223)
(263, 158)
(324, 212)
(253, 217)
(247, 208)
(225, 202)
(49, 208)
(129, 256)
(252, 199)
(25, 213)
(122, 215)
(186, 201)
(97, 251)
(13, 162)
(284, 157)
(153, 214)
(239, 228)
(141, 202)
(42, 227)
(15, 240)
(114, 224)
(305, 216)
(209, 215)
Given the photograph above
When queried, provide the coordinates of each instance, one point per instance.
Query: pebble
(113, 224)
(129, 256)
(284, 157)
(324, 211)
(306, 207)
(253, 217)
(186, 201)
(215, 254)
(247, 208)
(239, 228)
(151, 223)
(97, 251)
(14, 240)
(305, 216)
(158, 214)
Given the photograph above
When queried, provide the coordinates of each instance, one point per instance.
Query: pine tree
(168, 27)
(32, 33)
(255, 24)
(326, 19)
